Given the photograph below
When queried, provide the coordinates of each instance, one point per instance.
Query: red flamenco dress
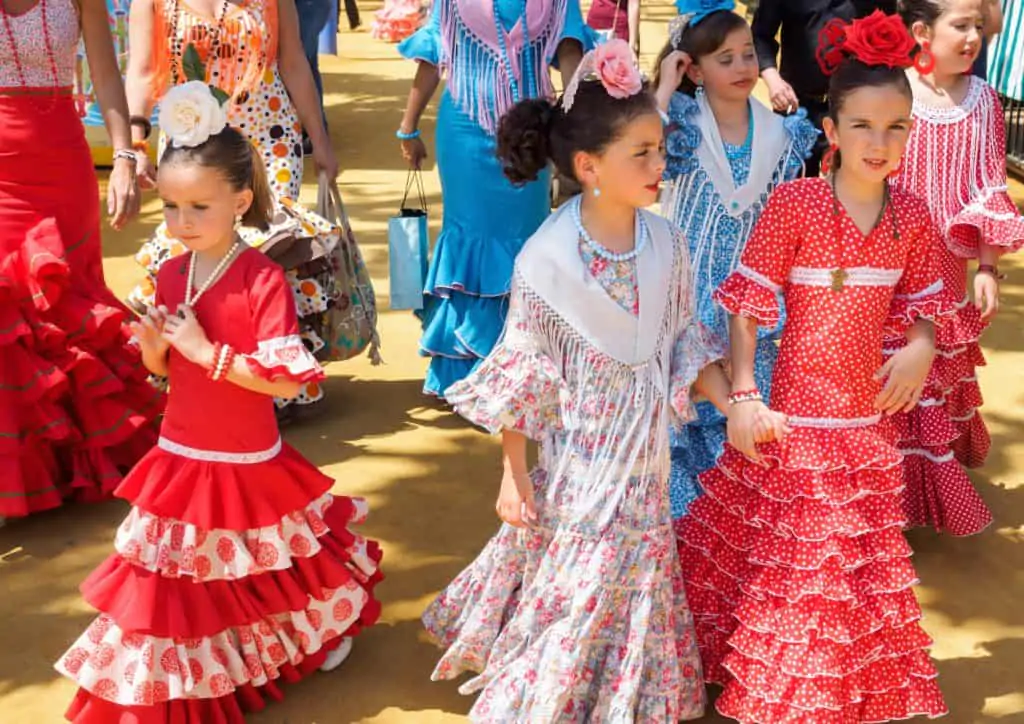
(75, 407)
(797, 572)
(235, 570)
(956, 161)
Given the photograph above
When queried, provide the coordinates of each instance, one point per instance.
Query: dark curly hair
(537, 131)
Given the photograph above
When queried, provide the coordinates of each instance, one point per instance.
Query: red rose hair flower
(878, 39)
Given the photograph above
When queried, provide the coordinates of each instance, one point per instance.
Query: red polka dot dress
(956, 161)
(797, 571)
(235, 569)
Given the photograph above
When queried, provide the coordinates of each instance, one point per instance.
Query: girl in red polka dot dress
(956, 162)
(796, 568)
(235, 569)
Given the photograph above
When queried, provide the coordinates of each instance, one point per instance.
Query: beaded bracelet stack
(224, 357)
(751, 395)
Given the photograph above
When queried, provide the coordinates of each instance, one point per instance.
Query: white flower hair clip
(677, 26)
(192, 112)
(612, 63)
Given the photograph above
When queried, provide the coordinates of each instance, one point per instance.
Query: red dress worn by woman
(956, 161)
(75, 407)
(235, 569)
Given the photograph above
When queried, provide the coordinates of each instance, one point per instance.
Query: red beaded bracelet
(223, 357)
(750, 395)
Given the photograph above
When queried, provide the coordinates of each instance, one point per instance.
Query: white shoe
(337, 657)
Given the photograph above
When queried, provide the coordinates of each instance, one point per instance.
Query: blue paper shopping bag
(409, 249)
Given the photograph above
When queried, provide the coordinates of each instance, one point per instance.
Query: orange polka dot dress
(797, 572)
(265, 113)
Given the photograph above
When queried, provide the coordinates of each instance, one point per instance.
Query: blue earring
(597, 192)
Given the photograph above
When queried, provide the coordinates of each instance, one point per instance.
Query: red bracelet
(750, 395)
(223, 356)
(991, 269)
(212, 371)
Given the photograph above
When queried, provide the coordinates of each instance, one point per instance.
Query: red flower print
(220, 656)
(299, 546)
(267, 555)
(133, 641)
(226, 549)
(105, 689)
(74, 659)
(161, 692)
(102, 657)
(316, 619)
(129, 672)
(195, 669)
(343, 610)
(220, 685)
(203, 566)
(170, 662)
(277, 654)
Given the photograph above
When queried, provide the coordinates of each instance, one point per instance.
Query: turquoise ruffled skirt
(486, 222)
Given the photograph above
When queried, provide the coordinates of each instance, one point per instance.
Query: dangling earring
(828, 158)
(238, 222)
(597, 192)
(924, 61)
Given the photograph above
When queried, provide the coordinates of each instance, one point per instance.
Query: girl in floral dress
(575, 610)
(956, 162)
(726, 154)
(235, 569)
(797, 571)
(251, 50)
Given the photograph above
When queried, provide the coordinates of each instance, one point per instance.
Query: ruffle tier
(75, 408)
(466, 301)
(994, 217)
(800, 583)
(610, 642)
(226, 580)
(743, 296)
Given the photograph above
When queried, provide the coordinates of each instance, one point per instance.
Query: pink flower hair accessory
(612, 63)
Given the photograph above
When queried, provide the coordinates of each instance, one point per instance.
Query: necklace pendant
(839, 277)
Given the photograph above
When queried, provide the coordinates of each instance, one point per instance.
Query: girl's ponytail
(261, 211)
(524, 140)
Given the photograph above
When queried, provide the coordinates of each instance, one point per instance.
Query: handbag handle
(417, 176)
(329, 203)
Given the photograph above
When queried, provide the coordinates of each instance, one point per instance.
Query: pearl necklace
(638, 245)
(190, 300)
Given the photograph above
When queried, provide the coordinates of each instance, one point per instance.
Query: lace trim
(217, 456)
(955, 113)
(834, 423)
(938, 459)
(934, 288)
(864, 276)
(758, 277)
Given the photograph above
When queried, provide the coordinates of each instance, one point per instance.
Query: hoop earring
(828, 158)
(924, 61)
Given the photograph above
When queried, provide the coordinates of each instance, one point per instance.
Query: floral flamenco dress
(583, 617)
(715, 194)
(235, 569)
(242, 40)
(486, 218)
(970, 204)
(75, 408)
(797, 571)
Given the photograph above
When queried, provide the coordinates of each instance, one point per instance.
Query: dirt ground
(431, 481)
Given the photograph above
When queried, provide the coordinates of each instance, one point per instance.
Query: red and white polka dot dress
(956, 161)
(797, 572)
(236, 569)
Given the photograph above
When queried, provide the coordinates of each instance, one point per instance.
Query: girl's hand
(673, 69)
(515, 503)
(906, 371)
(186, 335)
(986, 294)
(122, 193)
(325, 160)
(413, 151)
(148, 330)
(781, 93)
(751, 423)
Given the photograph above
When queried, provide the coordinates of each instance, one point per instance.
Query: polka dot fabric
(266, 115)
(969, 203)
(797, 571)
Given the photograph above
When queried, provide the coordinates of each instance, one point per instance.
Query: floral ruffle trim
(992, 218)
(682, 136)
(746, 293)
(513, 389)
(932, 304)
(285, 357)
(803, 136)
(694, 350)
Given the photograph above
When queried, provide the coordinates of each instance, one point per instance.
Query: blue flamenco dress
(490, 64)
(716, 193)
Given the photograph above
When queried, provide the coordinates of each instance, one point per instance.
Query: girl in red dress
(796, 568)
(956, 162)
(235, 569)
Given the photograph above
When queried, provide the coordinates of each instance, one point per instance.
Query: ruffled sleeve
(518, 386)
(753, 289)
(920, 293)
(425, 44)
(693, 350)
(280, 352)
(682, 136)
(991, 216)
(573, 28)
(803, 135)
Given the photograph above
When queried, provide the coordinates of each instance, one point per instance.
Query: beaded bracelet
(403, 136)
(126, 154)
(752, 395)
(223, 356)
(991, 269)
